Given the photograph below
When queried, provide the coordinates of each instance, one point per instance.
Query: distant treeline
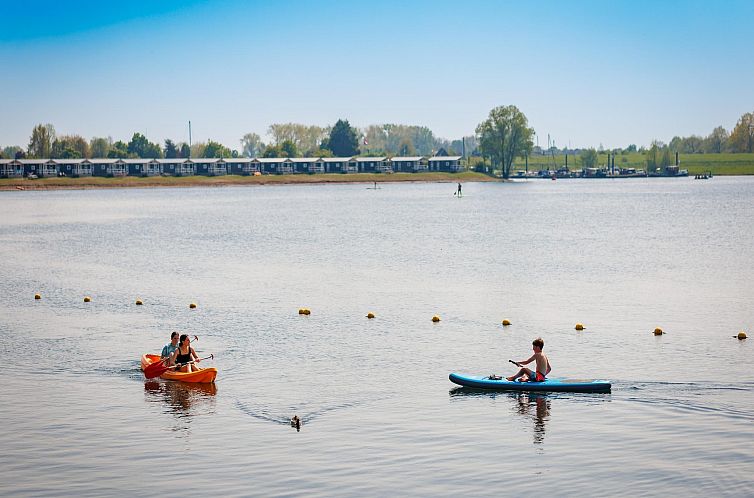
(287, 140)
(342, 139)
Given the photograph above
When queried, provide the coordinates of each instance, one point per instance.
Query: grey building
(451, 164)
(336, 164)
(371, 164)
(408, 164)
(108, 167)
(209, 166)
(11, 168)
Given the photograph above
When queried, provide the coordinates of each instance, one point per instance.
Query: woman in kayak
(542, 364)
(184, 354)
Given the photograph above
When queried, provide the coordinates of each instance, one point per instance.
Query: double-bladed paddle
(159, 367)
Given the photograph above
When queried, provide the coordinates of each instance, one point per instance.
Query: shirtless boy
(542, 364)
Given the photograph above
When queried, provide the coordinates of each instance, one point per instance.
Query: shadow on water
(535, 406)
(183, 400)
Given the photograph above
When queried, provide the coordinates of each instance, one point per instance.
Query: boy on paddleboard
(543, 364)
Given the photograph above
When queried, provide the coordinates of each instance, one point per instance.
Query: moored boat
(204, 375)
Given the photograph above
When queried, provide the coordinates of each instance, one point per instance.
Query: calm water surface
(380, 416)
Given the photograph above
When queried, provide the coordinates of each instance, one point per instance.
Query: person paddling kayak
(184, 354)
(169, 348)
(543, 367)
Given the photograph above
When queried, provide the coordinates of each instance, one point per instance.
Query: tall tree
(588, 158)
(185, 150)
(215, 149)
(40, 144)
(406, 148)
(70, 147)
(343, 141)
(141, 147)
(252, 145)
(10, 151)
(289, 149)
(119, 150)
(505, 135)
(171, 151)
(99, 146)
(742, 137)
(717, 141)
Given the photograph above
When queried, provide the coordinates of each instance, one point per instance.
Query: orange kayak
(205, 375)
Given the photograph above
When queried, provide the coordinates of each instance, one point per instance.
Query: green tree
(505, 135)
(406, 148)
(273, 151)
(717, 141)
(70, 147)
(100, 147)
(11, 151)
(171, 151)
(118, 150)
(289, 149)
(215, 149)
(666, 160)
(141, 147)
(343, 141)
(588, 158)
(40, 143)
(252, 145)
(653, 156)
(742, 137)
(185, 151)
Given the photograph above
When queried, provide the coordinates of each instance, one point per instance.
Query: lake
(379, 414)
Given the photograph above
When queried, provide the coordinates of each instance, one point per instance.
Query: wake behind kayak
(549, 385)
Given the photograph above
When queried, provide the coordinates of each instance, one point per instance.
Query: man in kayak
(169, 348)
(542, 363)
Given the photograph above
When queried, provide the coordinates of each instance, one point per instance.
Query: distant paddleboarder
(458, 192)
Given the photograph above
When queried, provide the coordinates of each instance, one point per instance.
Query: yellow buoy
(741, 335)
(506, 323)
(307, 311)
(192, 305)
(435, 318)
(87, 299)
(580, 326)
(37, 296)
(370, 315)
(658, 331)
(138, 302)
(304, 311)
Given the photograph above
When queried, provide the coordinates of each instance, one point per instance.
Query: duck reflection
(182, 399)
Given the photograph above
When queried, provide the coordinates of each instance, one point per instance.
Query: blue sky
(585, 72)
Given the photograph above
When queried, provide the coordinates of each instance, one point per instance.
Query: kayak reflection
(182, 399)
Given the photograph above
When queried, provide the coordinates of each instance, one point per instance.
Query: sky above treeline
(587, 73)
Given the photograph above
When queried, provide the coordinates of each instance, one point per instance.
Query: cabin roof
(336, 159)
(368, 159)
(407, 158)
(445, 158)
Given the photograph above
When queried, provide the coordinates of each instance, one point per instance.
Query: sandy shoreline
(231, 181)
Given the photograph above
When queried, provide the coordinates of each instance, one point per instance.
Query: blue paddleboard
(549, 385)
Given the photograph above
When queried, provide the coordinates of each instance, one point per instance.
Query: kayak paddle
(515, 363)
(158, 368)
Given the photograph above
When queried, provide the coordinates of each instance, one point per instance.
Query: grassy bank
(231, 180)
(719, 164)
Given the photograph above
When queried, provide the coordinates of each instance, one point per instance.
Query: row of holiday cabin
(216, 167)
